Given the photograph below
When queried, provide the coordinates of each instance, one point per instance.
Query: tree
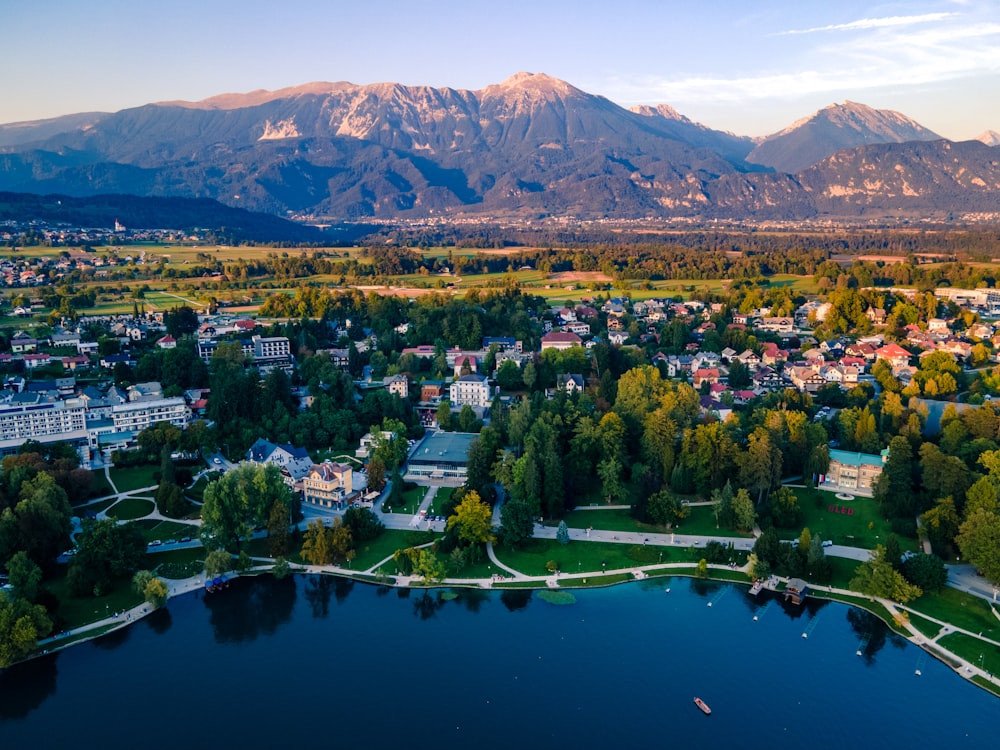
(877, 578)
(105, 551)
(562, 533)
(444, 415)
(665, 508)
(279, 522)
(926, 571)
(239, 502)
(364, 525)
(517, 523)
(743, 510)
(156, 593)
(180, 321)
(784, 507)
(467, 419)
(893, 489)
(217, 562)
(281, 569)
(760, 466)
(39, 523)
(376, 473)
(316, 544)
(471, 520)
(25, 577)
(979, 540)
(610, 472)
(21, 625)
(757, 568)
(702, 569)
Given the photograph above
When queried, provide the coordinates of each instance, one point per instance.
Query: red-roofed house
(560, 340)
(464, 364)
(167, 342)
(75, 362)
(894, 354)
(705, 374)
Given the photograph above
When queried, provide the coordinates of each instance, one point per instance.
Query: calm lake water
(268, 664)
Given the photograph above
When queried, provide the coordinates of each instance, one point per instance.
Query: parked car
(828, 543)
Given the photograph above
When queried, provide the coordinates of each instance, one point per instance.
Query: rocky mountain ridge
(531, 146)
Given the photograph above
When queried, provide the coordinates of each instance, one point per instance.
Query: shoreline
(899, 614)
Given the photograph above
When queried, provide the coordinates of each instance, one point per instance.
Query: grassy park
(865, 527)
(131, 508)
(134, 477)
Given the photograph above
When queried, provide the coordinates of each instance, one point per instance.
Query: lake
(269, 663)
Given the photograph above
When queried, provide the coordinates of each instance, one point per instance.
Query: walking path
(962, 577)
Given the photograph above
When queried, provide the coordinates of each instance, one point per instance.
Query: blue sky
(749, 67)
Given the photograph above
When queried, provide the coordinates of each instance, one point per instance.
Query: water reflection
(342, 587)
(250, 608)
(427, 605)
(159, 621)
(872, 634)
(515, 599)
(24, 687)
(472, 599)
(113, 639)
(317, 592)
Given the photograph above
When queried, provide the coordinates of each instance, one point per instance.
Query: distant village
(41, 399)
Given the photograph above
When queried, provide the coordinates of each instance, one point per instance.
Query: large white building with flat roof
(136, 416)
(31, 416)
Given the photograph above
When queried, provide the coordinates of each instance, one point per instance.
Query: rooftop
(449, 447)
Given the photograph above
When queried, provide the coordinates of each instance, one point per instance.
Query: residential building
(32, 416)
(471, 390)
(135, 416)
(327, 484)
(294, 462)
(560, 340)
(398, 385)
(853, 471)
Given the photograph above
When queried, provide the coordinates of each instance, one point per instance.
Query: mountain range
(530, 147)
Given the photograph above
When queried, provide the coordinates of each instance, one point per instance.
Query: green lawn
(390, 540)
(75, 611)
(577, 557)
(179, 563)
(96, 507)
(607, 520)
(960, 609)
(925, 626)
(701, 520)
(163, 530)
(100, 487)
(411, 500)
(131, 508)
(864, 528)
(196, 491)
(134, 477)
(973, 650)
(442, 496)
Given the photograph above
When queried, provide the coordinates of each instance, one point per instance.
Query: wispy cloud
(871, 23)
(893, 52)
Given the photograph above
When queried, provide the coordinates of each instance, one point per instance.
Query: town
(828, 437)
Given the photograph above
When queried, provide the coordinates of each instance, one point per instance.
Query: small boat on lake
(703, 706)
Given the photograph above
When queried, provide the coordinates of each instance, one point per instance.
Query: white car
(217, 460)
(828, 543)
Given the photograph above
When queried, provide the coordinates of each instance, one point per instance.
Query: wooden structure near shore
(797, 590)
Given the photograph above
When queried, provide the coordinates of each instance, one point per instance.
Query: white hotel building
(33, 417)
